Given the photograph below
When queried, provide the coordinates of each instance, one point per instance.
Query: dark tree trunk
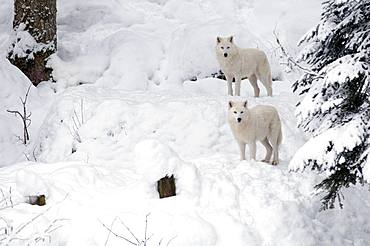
(38, 17)
(166, 187)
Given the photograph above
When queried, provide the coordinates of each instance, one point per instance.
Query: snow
(123, 113)
(336, 75)
(14, 86)
(25, 45)
(343, 138)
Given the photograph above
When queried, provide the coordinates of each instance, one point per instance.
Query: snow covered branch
(336, 107)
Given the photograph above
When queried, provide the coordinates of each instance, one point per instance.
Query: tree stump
(38, 18)
(37, 200)
(166, 186)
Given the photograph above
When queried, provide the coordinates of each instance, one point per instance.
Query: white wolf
(240, 63)
(260, 123)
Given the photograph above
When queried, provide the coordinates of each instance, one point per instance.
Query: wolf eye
(222, 47)
(242, 112)
(228, 47)
(235, 112)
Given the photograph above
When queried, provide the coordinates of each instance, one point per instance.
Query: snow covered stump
(166, 187)
(37, 200)
(162, 171)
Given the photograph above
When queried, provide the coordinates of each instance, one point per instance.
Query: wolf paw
(274, 163)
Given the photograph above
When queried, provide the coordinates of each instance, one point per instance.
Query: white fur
(260, 123)
(241, 63)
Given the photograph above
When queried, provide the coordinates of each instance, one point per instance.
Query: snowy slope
(221, 201)
(101, 146)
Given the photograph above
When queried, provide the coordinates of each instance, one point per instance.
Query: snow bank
(14, 85)
(137, 45)
(346, 137)
(101, 147)
(6, 18)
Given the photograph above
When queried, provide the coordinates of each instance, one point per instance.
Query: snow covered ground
(123, 114)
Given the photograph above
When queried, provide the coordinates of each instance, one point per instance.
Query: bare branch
(25, 117)
(77, 118)
(290, 60)
(28, 159)
(82, 111)
(169, 241)
(106, 241)
(119, 236)
(128, 229)
(10, 196)
(33, 154)
(146, 228)
(31, 220)
(4, 197)
(15, 112)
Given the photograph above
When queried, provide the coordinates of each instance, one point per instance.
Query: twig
(34, 155)
(169, 241)
(4, 198)
(25, 116)
(77, 122)
(138, 241)
(290, 59)
(14, 235)
(30, 221)
(28, 159)
(128, 229)
(111, 226)
(119, 236)
(146, 228)
(82, 111)
(10, 196)
(50, 229)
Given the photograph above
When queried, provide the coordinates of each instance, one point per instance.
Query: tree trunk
(166, 187)
(38, 18)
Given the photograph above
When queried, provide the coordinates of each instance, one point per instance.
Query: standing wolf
(260, 123)
(240, 63)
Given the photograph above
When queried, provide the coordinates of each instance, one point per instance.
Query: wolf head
(238, 111)
(225, 47)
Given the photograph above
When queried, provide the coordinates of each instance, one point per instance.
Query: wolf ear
(231, 39)
(218, 39)
(231, 104)
(245, 104)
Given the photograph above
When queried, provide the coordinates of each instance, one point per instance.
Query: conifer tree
(335, 107)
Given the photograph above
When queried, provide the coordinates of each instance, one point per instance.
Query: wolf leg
(275, 146)
(238, 81)
(229, 79)
(252, 150)
(268, 147)
(242, 150)
(267, 83)
(253, 80)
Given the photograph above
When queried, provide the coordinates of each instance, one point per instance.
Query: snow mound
(14, 85)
